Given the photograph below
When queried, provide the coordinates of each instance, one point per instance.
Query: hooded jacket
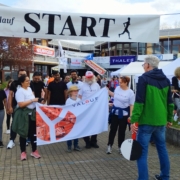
(153, 104)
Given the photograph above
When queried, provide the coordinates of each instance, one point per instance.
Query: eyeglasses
(144, 64)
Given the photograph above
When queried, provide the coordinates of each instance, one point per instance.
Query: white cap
(89, 74)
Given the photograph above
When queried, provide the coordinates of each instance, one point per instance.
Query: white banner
(93, 27)
(72, 54)
(160, 56)
(61, 123)
(102, 60)
(76, 62)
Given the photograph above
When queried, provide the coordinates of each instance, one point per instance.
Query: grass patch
(175, 124)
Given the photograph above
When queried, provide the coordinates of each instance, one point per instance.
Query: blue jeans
(143, 137)
(69, 143)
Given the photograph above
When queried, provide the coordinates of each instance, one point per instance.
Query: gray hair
(153, 61)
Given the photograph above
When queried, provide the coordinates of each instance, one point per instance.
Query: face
(36, 79)
(21, 73)
(57, 77)
(146, 67)
(74, 93)
(121, 83)
(89, 80)
(26, 83)
(67, 79)
(74, 76)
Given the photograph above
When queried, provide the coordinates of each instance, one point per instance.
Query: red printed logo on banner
(62, 128)
(42, 129)
(65, 125)
(51, 112)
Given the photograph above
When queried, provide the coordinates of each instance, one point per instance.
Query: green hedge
(3, 86)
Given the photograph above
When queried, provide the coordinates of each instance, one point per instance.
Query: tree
(165, 26)
(15, 52)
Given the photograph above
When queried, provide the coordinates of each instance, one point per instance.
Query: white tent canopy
(170, 68)
(135, 68)
(118, 72)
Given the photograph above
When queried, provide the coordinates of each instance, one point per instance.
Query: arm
(140, 100)
(48, 96)
(5, 104)
(9, 103)
(65, 94)
(45, 95)
(131, 109)
(110, 93)
(170, 105)
(26, 103)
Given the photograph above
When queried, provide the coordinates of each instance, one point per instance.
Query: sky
(118, 7)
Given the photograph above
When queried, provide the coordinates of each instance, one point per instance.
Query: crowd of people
(151, 108)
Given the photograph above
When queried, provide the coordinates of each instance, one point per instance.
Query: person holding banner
(122, 109)
(57, 91)
(74, 81)
(88, 88)
(73, 98)
(24, 122)
(153, 111)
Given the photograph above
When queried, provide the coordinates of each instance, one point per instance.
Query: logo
(92, 100)
(62, 128)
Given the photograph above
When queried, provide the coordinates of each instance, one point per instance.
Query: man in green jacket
(153, 110)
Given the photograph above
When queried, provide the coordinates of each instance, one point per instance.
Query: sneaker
(10, 144)
(8, 131)
(35, 154)
(1, 144)
(23, 156)
(77, 148)
(157, 177)
(94, 145)
(109, 150)
(69, 150)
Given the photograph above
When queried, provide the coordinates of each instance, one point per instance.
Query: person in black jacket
(176, 90)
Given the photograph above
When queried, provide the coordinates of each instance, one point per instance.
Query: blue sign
(118, 60)
(89, 57)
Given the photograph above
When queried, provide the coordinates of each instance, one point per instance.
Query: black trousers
(8, 120)
(91, 139)
(31, 133)
(115, 124)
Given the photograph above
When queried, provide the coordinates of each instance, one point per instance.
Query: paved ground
(91, 164)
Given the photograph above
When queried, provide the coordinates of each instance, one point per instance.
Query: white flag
(61, 123)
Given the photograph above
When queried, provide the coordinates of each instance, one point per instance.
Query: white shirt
(123, 99)
(25, 95)
(79, 84)
(72, 101)
(88, 90)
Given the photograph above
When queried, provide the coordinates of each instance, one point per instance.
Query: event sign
(160, 56)
(43, 50)
(61, 123)
(44, 24)
(76, 62)
(95, 67)
(102, 60)
(118, 60)
(73, 54)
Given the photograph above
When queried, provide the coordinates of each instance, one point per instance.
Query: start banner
(70, 26)
(43, 50)
(61, 123)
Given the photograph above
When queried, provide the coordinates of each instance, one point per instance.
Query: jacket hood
(155, 74)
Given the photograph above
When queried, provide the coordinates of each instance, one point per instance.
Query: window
(134, 47)
(176, 42)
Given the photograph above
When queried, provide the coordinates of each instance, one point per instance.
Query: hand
(134, 128)
(10, 110)
(35, 100)
(43, 102)
(110, 104)
(174, 91)
(169, 124)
